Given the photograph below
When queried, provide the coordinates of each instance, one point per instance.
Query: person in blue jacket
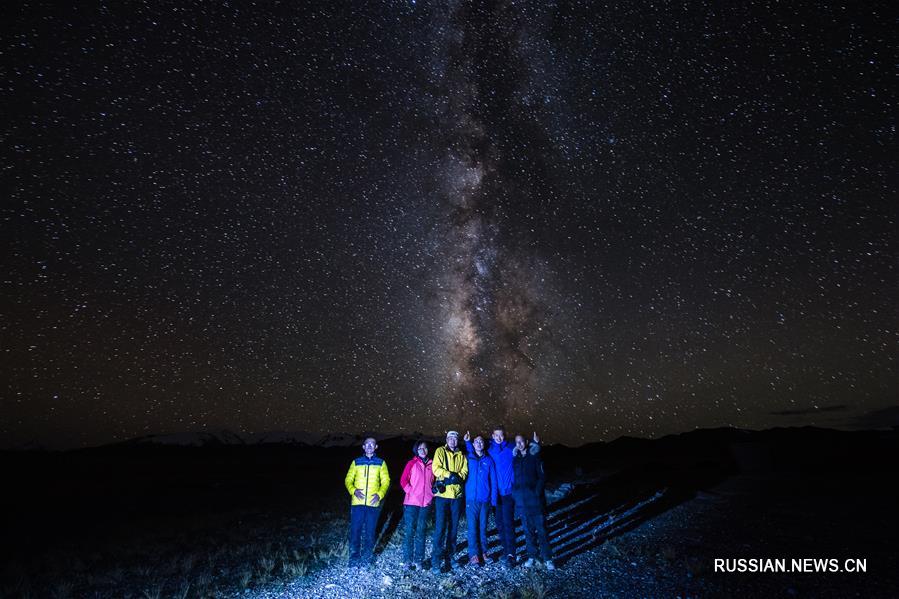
(480, 495)
(504, 514)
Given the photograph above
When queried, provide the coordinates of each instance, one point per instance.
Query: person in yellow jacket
(450, 467)
(367, 482)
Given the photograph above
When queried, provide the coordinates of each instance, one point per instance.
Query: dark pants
(363, 521)
(446, 527)
(505, 522)
(415, 519)
(476, 513)
(534, 524)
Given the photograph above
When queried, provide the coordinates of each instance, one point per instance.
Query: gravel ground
(653, 549)
(614, 568)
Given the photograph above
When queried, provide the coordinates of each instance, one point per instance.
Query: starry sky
(590, 218)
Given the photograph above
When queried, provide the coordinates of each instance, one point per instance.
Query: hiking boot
(529, 563)
(454, 564)
(474, 561)
(509, 562)
(549, 565)
(484, 559)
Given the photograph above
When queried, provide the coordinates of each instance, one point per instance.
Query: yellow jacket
(446, 463)
(370, 476)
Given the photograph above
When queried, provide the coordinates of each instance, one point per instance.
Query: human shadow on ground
(596, 511)
(593, 512)
(388, 520)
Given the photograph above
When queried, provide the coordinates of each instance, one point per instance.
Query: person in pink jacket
(416, 481)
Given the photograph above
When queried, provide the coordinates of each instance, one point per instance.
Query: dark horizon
(890, 422)
(616, 219)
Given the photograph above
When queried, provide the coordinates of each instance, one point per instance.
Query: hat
(452, 434)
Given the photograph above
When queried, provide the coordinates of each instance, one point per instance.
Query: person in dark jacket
(528, 487)
(480, 495)
(416, 481)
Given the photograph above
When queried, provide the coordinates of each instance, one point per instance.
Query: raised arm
(469, 448)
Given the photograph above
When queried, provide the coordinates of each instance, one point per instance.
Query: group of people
(502, 477)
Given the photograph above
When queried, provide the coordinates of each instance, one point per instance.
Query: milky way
(589, 219)
(491, 300)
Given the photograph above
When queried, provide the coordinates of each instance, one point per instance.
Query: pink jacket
(417, 480)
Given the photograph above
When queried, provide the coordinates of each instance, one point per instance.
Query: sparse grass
(266, 565)
(154, 592)
(63, 589)
(202, 582)
(533, 589)
(183, 590)
(330, 552)
(294, 569)
(244, 578)
(450, 587)
(187, 563)
(204, 558)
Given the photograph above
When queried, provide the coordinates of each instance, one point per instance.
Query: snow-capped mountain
(226, 437)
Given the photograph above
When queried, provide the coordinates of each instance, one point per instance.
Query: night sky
(593, 219)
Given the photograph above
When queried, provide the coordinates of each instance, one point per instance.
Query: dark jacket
(528, 485)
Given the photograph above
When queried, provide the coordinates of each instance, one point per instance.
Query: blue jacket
(481, 482)
(502, 457)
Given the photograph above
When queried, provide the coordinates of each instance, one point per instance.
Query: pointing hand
(536, 438)
(467, 436)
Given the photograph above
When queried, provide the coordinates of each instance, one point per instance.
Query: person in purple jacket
(504, 514)
(416, 481)
(480, 495)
